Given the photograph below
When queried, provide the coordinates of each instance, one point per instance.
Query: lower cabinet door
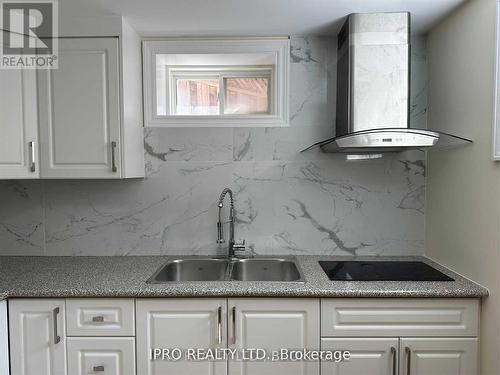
(37, 336)
(101, 355)
(272, 325)
(171, 324)
(368, 356)
(439, 356)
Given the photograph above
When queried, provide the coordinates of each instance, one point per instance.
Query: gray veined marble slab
(334, 207)
(174, 208)
(311, 101)
(126, 277)
(21, 218)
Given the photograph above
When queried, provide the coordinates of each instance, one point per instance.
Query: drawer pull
(98, 368)
(98, 319)
(57, 338)
(393, 354)
(234, 325)
(219, 325)
(408, 360)
(32, 157)
(113, 163)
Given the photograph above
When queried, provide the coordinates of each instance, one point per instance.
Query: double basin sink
(283, 269)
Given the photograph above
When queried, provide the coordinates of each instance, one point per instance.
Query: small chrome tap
(232, 246)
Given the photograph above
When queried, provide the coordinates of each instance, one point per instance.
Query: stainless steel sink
(189, 269)
(266, 269)
(195, 268)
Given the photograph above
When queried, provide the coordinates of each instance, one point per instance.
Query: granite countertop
(126, 277)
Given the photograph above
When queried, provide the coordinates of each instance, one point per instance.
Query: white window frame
(279, 80)
(495, 144)
(219, 73)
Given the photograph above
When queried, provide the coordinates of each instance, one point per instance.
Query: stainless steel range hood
(373, 88)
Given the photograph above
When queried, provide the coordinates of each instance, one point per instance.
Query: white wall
(463, 192)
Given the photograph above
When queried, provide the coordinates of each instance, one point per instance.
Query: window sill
(226, 121)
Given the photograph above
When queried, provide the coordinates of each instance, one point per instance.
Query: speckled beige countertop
(126, 277)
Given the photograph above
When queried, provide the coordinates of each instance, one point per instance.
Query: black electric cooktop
(382, 271)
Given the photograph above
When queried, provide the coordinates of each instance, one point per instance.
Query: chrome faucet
(232, 246)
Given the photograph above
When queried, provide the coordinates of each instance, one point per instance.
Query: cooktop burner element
(382, 271)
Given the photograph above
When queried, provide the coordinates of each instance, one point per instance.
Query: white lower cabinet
(116, 336)
(274, 324)
(439, 356)
(37, 337)
(172, 323)
(101, 355)
(401, 336)
(369, 356)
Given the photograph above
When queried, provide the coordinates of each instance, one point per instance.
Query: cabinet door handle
(219, 325)
(113, 162)
(393, 354)
(32, 156)
(57, 338)
(98, 318)
(98, 368)
(408, 360)
(234, 324)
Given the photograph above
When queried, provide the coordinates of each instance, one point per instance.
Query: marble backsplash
(287, 202)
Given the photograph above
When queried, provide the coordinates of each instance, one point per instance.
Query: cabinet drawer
(379, 317)
(101, 355)
(100, 317)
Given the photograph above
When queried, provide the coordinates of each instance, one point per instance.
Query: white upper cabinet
(89, 112)
(80, 111)
(18, 124)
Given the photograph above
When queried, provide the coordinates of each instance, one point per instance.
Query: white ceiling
(252, 17)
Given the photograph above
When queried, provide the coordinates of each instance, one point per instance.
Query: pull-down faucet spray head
(220, 223)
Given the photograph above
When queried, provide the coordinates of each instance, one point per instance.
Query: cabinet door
(18, 124)
(101, 355)
(273, 324)
(37, 337)
(79, 110)
(439, 356)
(369, 356)
(4, 339)
(184, 324)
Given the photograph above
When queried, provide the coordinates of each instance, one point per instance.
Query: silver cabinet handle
(393, 354)
(219, 325)
(408, 360)
(113, 163)
(98, 368)
(98, 318)
(32, 156)
(234, 324)
(57, 338)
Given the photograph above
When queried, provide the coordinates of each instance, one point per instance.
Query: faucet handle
(240, 249)
(239, 245)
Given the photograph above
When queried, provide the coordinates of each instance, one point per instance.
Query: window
(216, 91)
(228, 82)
